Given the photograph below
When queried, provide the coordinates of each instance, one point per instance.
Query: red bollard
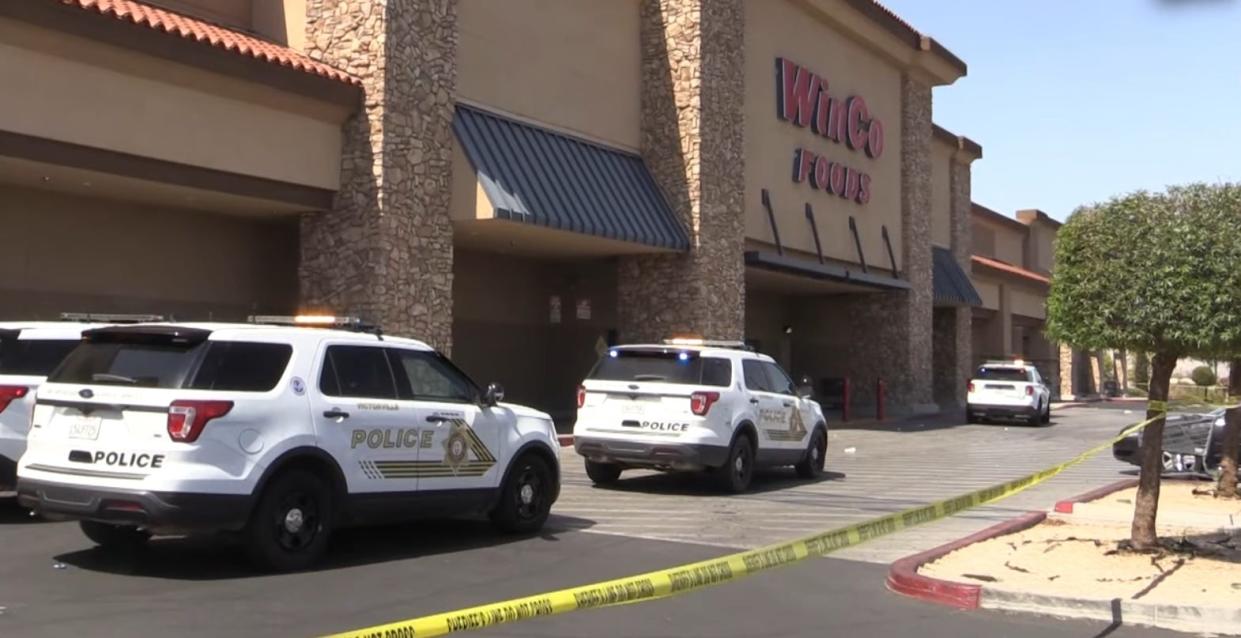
(879, 399)
(844, 408)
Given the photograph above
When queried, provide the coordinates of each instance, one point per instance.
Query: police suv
(1008, 390)
(29, 351)
(689, 404)
(279, 433)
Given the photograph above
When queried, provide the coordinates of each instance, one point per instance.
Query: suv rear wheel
(811, 466)
(111, 536)
(602, 473)
(525, 497)
(738, 470)
(290, 526)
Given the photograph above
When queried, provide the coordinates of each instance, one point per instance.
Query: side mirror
(805, 388)
(493, 395)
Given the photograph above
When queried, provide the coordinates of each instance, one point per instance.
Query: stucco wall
(780, 28)
(999, 241)
(78, 91)
(1029, 302)
(569, 64)
(941, 194)
(80, 254)
(233, 13)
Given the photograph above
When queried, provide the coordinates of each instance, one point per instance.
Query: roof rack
(709, 343)
(353, 324)
(104, 317)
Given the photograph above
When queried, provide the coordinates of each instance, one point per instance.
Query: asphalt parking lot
(52, 583)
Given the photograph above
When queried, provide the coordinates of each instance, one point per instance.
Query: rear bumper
(159, 511)
(1003, 411)
(677, 456)
(8, 473)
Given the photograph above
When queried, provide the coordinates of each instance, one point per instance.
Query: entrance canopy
(542, 177)
(952, 287)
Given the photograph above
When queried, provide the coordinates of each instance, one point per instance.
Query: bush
(1203, 376)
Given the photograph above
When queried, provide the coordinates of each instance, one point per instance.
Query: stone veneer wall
(961, 338)
(385, 250)
(692, 139)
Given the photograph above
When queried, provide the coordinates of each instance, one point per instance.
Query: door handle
(336, 413)
(788, 404)
(437, 419)
(754, 401)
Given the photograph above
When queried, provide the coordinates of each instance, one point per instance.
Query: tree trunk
(1234, 378)
(1227, 487)
(1146, 507)
(1123, 379)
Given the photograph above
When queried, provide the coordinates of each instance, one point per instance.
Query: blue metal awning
(537, 176)
(952, 287)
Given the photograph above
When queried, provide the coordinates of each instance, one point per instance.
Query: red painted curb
(1066, 506)
(903, 576)
(566, 440)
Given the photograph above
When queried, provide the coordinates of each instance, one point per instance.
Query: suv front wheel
(811, 466)
(525, 497)
(290, 526)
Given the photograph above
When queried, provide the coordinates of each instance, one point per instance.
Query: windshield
(1002, 374)
(33, 357)
(664, 367)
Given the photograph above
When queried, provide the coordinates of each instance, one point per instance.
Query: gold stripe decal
(684, 578)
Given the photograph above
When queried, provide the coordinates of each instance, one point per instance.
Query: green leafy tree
(1156, 273)
(1142, 369)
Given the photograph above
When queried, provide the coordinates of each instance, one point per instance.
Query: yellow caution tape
(685, 578)
(1157, 406)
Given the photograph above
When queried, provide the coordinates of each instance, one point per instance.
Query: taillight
(1029, 390)
(10, 392)
(186, 419)
(700, 402)
(971, 387)
(581, 395)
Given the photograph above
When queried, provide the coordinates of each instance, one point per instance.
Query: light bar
(305, 320)
(102, 317)
(687, 341)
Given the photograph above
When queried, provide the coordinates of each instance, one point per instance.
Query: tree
(1203, 376)
(1155, 273)
(1142, 369)
(1234, 377)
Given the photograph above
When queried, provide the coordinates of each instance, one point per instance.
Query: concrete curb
(565, 440)
(903, 576)
(1066, 506)
(1186, 618)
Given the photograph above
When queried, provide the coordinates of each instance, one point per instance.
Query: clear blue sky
(1076, 100)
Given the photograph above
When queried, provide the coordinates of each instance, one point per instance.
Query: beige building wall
(281, 21)
(80, 254)
(1029, 302)
(998, 241)
(941, 193)
(569, 64)
(1040, 255)
(82, 92)
(233, 13)
(988, 290)
(781, 28)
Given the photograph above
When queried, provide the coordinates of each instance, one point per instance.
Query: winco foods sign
(803, 100)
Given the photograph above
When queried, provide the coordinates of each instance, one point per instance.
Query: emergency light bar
(99, 317)
(709, 343)
(354, 324)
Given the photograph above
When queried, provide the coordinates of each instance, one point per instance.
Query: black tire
(971, 419)
(811, 466)
(290, 526)
(737, 472)
(525, 497)
(109, 536)
(602, 473)
(1047, 414)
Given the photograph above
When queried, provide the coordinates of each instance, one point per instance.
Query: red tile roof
(1009, 268)
(204, 32)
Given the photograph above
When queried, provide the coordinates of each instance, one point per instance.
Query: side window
(780, 381)
(717, 372)
(1034, 376)
(240, 366)
(358, 372)
(755, 377)
(426, 376)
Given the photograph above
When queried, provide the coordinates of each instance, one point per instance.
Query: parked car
(1192, 444)
(1008, 390)
(278, 434)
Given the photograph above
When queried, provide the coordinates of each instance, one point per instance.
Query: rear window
(664, 367)
(33, 357)
(235, 366)
(1002, 374)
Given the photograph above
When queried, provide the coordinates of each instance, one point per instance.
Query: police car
(690, 404)
(30, 350)
(1008, 390)
(279, 433)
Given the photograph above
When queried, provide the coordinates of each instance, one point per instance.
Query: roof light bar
(103, 317)
(710, 343)
(305, 320)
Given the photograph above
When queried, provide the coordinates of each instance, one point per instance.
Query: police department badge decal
(456, 447)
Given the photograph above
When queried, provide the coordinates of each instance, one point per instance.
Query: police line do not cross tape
(678, 580)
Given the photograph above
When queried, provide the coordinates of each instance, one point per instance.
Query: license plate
(633, 407)
(84, 427)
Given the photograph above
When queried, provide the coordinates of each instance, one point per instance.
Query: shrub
(1203, 376)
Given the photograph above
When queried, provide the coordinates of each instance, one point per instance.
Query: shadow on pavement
(13, 514)
(222, 558)
(699, 483)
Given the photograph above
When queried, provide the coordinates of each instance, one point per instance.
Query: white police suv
(1008, 390)
(29, 351)
(689, 404)
(278, 432)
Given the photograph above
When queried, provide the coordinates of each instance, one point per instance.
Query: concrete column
(385, 250)
(693, 72)
(1005, 320)
(961, 246)
(1066, 373)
